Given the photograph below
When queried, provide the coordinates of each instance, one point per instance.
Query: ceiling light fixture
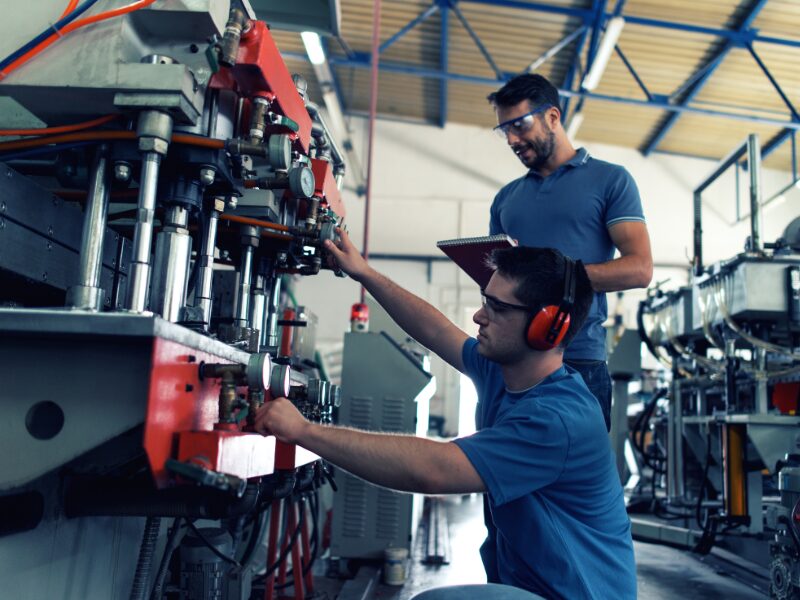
(313, 45)
(610, 38)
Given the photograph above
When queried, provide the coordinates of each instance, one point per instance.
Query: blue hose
(47, 33)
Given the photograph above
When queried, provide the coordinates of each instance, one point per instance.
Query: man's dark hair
(534, 88)
(539, 273)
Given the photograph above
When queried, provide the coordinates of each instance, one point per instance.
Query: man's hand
(347, 256)
(281, 418)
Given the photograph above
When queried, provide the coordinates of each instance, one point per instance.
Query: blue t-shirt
(571, 210)
(558, 525)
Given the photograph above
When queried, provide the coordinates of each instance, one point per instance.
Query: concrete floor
(664, 573)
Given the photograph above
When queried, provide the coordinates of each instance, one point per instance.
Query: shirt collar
(554, 376)
(581, 157)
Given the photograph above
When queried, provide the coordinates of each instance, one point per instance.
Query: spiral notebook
(470, 254)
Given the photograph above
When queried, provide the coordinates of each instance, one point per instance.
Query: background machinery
(146, 236)
(719, 441)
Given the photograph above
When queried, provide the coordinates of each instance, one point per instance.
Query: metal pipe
(143, 235)
(675, 487)
(245, 278)
(754, 164)
(88, 294)
(257, 304)
(272, 312)
(336, 153)
(202, 297)
(171, 269)
(762, 395)
(732, 158)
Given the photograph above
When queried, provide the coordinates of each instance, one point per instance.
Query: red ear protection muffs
(550, 324)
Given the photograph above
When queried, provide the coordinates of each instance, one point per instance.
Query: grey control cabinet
(384, 388)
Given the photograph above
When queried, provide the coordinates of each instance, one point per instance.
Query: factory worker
(557, 524)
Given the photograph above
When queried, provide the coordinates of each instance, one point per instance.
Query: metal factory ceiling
(690, 77)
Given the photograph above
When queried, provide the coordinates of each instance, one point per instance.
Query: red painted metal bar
(309, 577)
(373, 111)
(272, 548)
(287, 536)
(297, 562)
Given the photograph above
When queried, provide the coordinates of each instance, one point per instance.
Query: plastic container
(394, 566)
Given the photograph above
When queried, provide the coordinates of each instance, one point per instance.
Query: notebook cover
(470, 254)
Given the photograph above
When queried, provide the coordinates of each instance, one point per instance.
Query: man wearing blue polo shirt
(573, 202)
(557, 523)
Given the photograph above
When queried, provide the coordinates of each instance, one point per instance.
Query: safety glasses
(519, 125)
(496, 307)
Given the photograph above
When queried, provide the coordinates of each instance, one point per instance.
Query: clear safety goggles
(519, 125)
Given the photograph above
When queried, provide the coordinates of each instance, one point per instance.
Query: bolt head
(122, 171)
(151, 144)
(207, 175)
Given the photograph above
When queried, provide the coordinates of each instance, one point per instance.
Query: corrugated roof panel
(468, 104)
(780, 18)
(646, 49)
(740, 82)
(612, 123)
(664, 59)
(709, 13)
(712, 137)
(398, 94)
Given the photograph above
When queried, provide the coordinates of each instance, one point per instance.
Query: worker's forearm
(414, 315)
(389, 460)
(623, 273)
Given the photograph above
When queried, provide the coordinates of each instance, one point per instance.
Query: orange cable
(72, 27)
(196, 140)
(92, 136)
(61, 128)
(255, 222)
(70, 7)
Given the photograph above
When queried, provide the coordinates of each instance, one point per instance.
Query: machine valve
(207, 477)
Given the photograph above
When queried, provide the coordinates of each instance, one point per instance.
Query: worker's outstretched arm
(418, 319)
(400, 462)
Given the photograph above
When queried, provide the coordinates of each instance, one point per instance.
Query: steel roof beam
(409, 26)
(700, 82)
(774, 82)
(569, 79)
(362, 61)
(551, 52)
(633, 72)
(476, 39)
(739, 37)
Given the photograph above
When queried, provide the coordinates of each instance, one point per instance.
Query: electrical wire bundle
(62, 137)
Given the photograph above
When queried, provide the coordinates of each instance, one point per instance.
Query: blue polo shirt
(571, 210)
(558, 525)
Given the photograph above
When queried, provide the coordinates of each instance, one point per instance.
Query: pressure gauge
(302, 182)
(280, 152)
(259, 371)
(280, 381)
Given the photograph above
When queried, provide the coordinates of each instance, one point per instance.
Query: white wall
(431, 184)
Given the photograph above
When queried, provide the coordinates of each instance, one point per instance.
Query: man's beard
(543, 150)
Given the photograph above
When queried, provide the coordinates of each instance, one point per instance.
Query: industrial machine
(147, 234)
(719, 443)
(393, 396)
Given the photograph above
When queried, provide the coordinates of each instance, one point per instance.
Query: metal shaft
(754, 164)
(245, 278)
(205, 273)
(143, 235)
(273, 304)
(87, 294)
(675, 487)
(257, 305)
(170, 272)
